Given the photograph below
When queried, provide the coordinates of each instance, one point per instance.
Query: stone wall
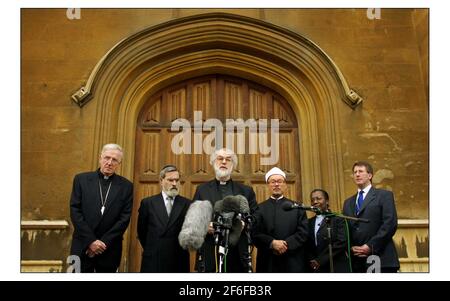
(385, 60)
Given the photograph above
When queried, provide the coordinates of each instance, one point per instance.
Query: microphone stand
(330, 244)
(249, 241)
(328, 215)
(201, 261)
(223, 250)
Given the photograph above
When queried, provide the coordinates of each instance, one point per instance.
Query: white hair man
(224, 161)
(100, 210)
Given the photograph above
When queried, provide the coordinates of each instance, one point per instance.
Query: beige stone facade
(358, 87)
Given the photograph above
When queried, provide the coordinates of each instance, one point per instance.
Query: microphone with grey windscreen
(228, 214)
(195, 225)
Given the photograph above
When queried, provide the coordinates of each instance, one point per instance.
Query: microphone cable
(215, 258)
(347, 232)
(225, 262)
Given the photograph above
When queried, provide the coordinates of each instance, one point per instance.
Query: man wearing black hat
(160, 220)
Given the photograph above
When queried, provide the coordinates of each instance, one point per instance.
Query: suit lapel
(312, 223)
(95, 203)
(160, 209)
(369, 198)
(323, 225)
(236, 188)
(113, 192)
(176, 210)
(213, 193)
(353, 204)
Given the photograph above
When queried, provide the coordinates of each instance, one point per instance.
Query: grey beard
(222, 174)
(173, 192)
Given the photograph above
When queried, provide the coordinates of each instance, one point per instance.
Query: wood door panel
(202, 99)
(287, 152)
(152, 117)
(220, 97)
(258, 105)
(233, 103)
(150, 156)
(175, 104)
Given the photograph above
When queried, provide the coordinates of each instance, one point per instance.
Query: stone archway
(290, 64)
(197, 101)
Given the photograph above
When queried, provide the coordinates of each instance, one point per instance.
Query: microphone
(290, 206)
(244, 212)
(243, 204)
(195, 225)
(228, 216)
(232, 203)
(218, 206)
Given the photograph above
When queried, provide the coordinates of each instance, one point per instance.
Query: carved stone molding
(41, 266)
(353, 99)
(44, 225)
(204, 44)
(412, 243)
(199, 24)
(217, 43)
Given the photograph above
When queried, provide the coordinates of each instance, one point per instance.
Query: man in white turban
(280, 235)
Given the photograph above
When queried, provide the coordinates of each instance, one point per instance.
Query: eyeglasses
(114, 161)
(220, 159)
(273, 182)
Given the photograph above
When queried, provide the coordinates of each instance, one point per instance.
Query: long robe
(236, 258)
(274, 223)
(90, 224)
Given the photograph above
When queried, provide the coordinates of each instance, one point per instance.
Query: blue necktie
(359, 202)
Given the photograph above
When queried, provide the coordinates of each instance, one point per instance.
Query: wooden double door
(200, 102)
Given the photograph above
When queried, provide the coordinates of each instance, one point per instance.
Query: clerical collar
(222, 182)
(102, 176)
(276, 199)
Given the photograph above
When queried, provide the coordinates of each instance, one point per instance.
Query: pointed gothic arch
(218, 43)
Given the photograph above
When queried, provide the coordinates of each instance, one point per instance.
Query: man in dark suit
(318, 252)
(280, 235)
(223, 161)
(160, 221)
(100, 209)
(374, 237)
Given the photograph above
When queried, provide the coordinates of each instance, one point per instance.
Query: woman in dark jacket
(318, 241)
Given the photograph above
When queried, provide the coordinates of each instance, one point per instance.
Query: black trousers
(96, 265)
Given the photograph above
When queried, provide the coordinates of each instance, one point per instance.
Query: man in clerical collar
(100, 210)
(223, 161)
(280, 234)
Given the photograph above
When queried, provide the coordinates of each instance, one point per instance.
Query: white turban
(275, 171)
